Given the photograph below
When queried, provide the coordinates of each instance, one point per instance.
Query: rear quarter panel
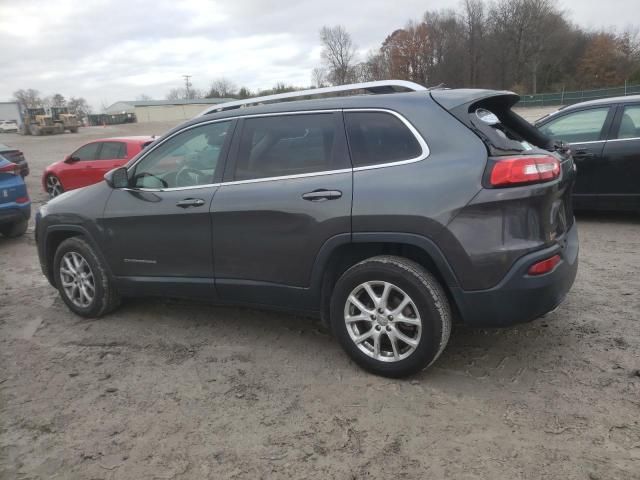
(424, 196)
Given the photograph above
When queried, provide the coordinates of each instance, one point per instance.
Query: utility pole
(187, 84)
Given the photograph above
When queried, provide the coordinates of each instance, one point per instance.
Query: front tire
(14, 229)
(54, 186)
(82, 279)
(391, 316)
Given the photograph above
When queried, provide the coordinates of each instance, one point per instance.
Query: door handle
(190, 202)
(580, 155)
(321, 195)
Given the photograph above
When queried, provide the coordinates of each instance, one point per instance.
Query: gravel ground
(166, 389)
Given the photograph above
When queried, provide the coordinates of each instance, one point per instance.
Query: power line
(187, 84)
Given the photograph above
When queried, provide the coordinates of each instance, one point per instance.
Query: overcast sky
(110, 50)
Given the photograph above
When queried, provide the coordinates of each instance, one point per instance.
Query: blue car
(15, 205)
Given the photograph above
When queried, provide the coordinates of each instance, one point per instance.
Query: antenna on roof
(378, 87)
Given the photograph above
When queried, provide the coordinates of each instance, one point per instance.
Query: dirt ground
(163, 389)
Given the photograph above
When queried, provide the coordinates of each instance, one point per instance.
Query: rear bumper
(14, 214)
(520, 297)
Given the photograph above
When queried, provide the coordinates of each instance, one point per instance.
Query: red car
(88, 164)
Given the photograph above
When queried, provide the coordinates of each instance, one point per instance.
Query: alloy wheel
(383, 321)
(54, 187)
(77, 279)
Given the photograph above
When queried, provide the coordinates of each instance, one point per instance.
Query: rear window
(113, 150)
(379, 137)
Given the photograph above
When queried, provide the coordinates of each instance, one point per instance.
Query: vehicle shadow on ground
(501, 354)
(609, 217)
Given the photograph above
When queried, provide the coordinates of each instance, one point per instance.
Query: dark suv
(388, 215)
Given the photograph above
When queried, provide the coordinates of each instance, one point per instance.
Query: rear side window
(379, 137)
(630, 122)
(113, 150)
(583, 126)
(278, 146)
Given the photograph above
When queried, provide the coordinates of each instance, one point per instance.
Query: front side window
(379, 137)
(578, 127)
(630, 122)
(278, 146)
(188, 159)
(87, 152)
(112, 150)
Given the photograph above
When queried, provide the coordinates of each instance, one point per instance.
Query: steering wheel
(188, 176)
(147, 174)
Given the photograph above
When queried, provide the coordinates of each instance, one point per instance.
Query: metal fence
(569, 98)
(101, 119)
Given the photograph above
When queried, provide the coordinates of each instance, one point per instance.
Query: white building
(164, 110)
(10, 111)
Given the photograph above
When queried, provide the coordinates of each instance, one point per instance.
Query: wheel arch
(338, 256)
(57, 234)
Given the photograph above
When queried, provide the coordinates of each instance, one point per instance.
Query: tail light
(544, 266)
(22, 199)
(513, 171)
(11, 168)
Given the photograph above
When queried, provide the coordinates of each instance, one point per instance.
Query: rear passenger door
(286, 191)
(622, 155)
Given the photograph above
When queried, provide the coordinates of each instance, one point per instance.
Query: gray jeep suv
(388, 214)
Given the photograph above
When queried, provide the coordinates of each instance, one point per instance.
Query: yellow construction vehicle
(35, 121)
(64, 120)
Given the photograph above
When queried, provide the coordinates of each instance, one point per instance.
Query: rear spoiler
(453, 99)
(463, 103)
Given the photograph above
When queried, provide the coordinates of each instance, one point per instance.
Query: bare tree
(244, 92)
(378, 65)
(473, 15)
(222, 88)
(319, 77)
(58, 100)
(28, 98)
(79, 106)
(184, 94)
(338, 53)
(175, 94)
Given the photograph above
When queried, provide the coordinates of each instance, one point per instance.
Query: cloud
(110, 50)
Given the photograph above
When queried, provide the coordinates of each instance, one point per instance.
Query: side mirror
(117, 178)
(70, 159)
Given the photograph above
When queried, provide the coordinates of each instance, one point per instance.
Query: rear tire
(35, 130)
(74, 130)
(82, 279)
(401, 331)
(15, 229)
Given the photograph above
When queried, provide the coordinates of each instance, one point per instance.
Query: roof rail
(382, 86)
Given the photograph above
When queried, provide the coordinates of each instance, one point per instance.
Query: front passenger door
(159, 230)
(586, 131)
(80, 166)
